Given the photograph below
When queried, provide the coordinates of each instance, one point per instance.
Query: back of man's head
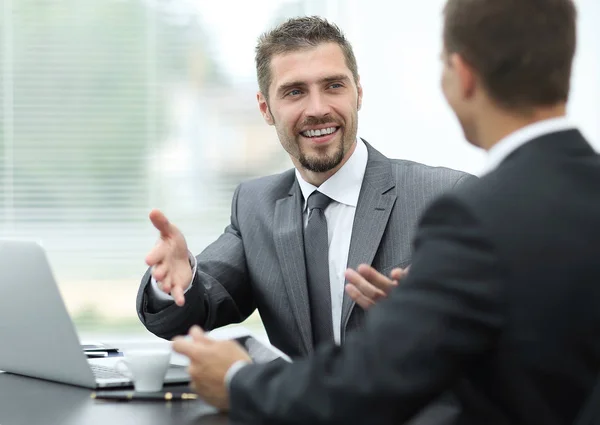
(522, 50)
(297, 34)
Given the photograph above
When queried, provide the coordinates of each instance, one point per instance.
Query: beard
(320, 161)
(323, 163)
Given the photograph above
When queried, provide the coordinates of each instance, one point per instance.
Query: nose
(317, 105)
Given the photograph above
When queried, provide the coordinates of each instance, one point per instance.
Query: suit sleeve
(415, 344)
(220, 293)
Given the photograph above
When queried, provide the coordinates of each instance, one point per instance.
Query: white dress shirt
(516, 139)
(343, 188)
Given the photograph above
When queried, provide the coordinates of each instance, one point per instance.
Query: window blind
(90, 101)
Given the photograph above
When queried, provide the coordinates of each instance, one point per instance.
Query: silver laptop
(37, 336)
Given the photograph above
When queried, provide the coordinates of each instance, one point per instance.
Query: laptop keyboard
(105, 372)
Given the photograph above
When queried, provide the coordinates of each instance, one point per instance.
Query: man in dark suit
(501, 300)
(310, 92)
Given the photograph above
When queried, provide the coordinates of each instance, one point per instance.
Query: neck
(317, 179)
(496, 125)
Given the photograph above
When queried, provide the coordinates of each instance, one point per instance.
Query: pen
(96, 353)
(132, 395)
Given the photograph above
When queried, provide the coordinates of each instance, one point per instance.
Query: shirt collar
(344, 186)
(501, 150)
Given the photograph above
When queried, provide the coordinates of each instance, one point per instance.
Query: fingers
(184, 346)
(160, 221)
(366, 285)
(198, 334)
(160, 271)
(376, 279)
(168, 286)
(173, 277)
(358, 297)
(178, 295)
(157, 254)
(189, 346)
(180, 277)
(398, 273)
(363, 285)
(192, 346)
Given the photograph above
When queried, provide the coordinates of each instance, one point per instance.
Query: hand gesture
(169, 258)
(366, 285)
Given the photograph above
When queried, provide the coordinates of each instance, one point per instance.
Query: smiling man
(314, 107)
(293, 235)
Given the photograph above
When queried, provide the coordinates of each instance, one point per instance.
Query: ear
(360, 94)
(466, 75)
(263, 106)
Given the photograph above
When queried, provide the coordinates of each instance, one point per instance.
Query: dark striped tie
(316, 250)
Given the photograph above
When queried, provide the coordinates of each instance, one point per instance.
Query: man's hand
(169, 258)
(209, 362)
(366, 285)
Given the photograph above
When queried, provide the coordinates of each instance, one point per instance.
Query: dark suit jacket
(501, 304)
(259, 259)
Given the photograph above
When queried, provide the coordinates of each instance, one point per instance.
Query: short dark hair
(296, 34)
(522, 49)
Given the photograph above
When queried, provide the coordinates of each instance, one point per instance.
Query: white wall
(404, 114)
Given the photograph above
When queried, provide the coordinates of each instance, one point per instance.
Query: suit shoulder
(276, 185)
(494, 194)
(417, 173)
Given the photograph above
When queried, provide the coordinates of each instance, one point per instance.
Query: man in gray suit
(281, 253)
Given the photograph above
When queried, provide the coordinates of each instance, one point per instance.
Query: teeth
(317, 133)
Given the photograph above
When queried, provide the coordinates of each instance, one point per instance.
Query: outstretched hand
(169, 258)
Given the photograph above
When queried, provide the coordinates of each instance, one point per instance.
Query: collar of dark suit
(513, 141)
(569, 142)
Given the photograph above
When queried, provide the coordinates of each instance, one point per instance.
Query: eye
(294, 93)
(336, 86)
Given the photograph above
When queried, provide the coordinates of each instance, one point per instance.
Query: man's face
(313, 104)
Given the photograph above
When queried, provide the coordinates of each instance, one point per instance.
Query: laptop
(37, 336)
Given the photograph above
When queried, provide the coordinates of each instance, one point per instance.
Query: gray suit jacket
(258, 262)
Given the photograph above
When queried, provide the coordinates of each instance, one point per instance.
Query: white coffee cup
(145, 367)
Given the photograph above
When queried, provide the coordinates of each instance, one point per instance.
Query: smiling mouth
(319, 133)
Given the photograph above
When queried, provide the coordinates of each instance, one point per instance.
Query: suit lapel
(289, 243)
(375, 204)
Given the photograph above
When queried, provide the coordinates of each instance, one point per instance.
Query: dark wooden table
(29, 401)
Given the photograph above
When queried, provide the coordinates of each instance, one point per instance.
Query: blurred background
(109, 108)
